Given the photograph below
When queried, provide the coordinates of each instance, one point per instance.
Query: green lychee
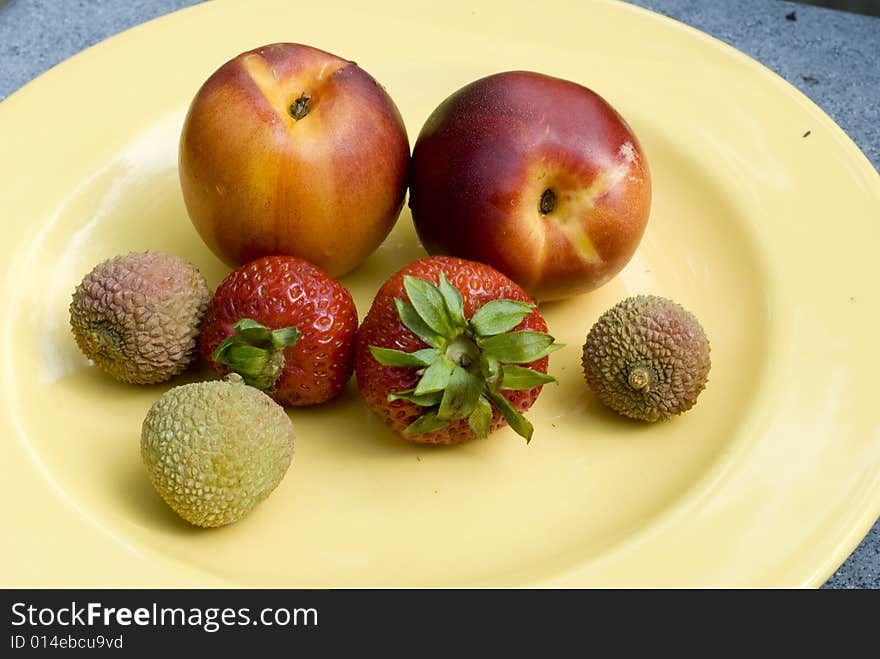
(214, 450)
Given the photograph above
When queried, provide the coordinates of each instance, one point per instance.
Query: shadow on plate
(146, 507)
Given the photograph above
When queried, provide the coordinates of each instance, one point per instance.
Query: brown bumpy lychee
(136, 316)
(647, 358)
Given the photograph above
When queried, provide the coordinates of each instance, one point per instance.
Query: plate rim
(849, 540)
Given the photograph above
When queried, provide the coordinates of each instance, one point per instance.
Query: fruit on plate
(287, 149)
(452, 350)
(647, 358)
(214, 450)
(136, 316)
(537, 176)
(285, 326)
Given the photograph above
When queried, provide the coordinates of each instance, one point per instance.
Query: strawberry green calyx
(255, 352)
(469, 362)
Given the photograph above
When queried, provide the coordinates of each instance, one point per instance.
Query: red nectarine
(537, 176)
(287, 149)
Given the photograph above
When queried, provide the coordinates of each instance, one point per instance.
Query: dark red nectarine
(537, 176)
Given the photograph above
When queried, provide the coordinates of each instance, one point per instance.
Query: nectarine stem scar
(300, 107)
(548, 202)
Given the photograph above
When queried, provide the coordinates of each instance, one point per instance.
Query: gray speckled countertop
(833, 57)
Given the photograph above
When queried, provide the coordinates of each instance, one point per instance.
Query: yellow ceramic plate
(767, 235)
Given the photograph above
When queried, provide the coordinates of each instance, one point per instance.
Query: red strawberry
(454, 359)
(285, 326)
